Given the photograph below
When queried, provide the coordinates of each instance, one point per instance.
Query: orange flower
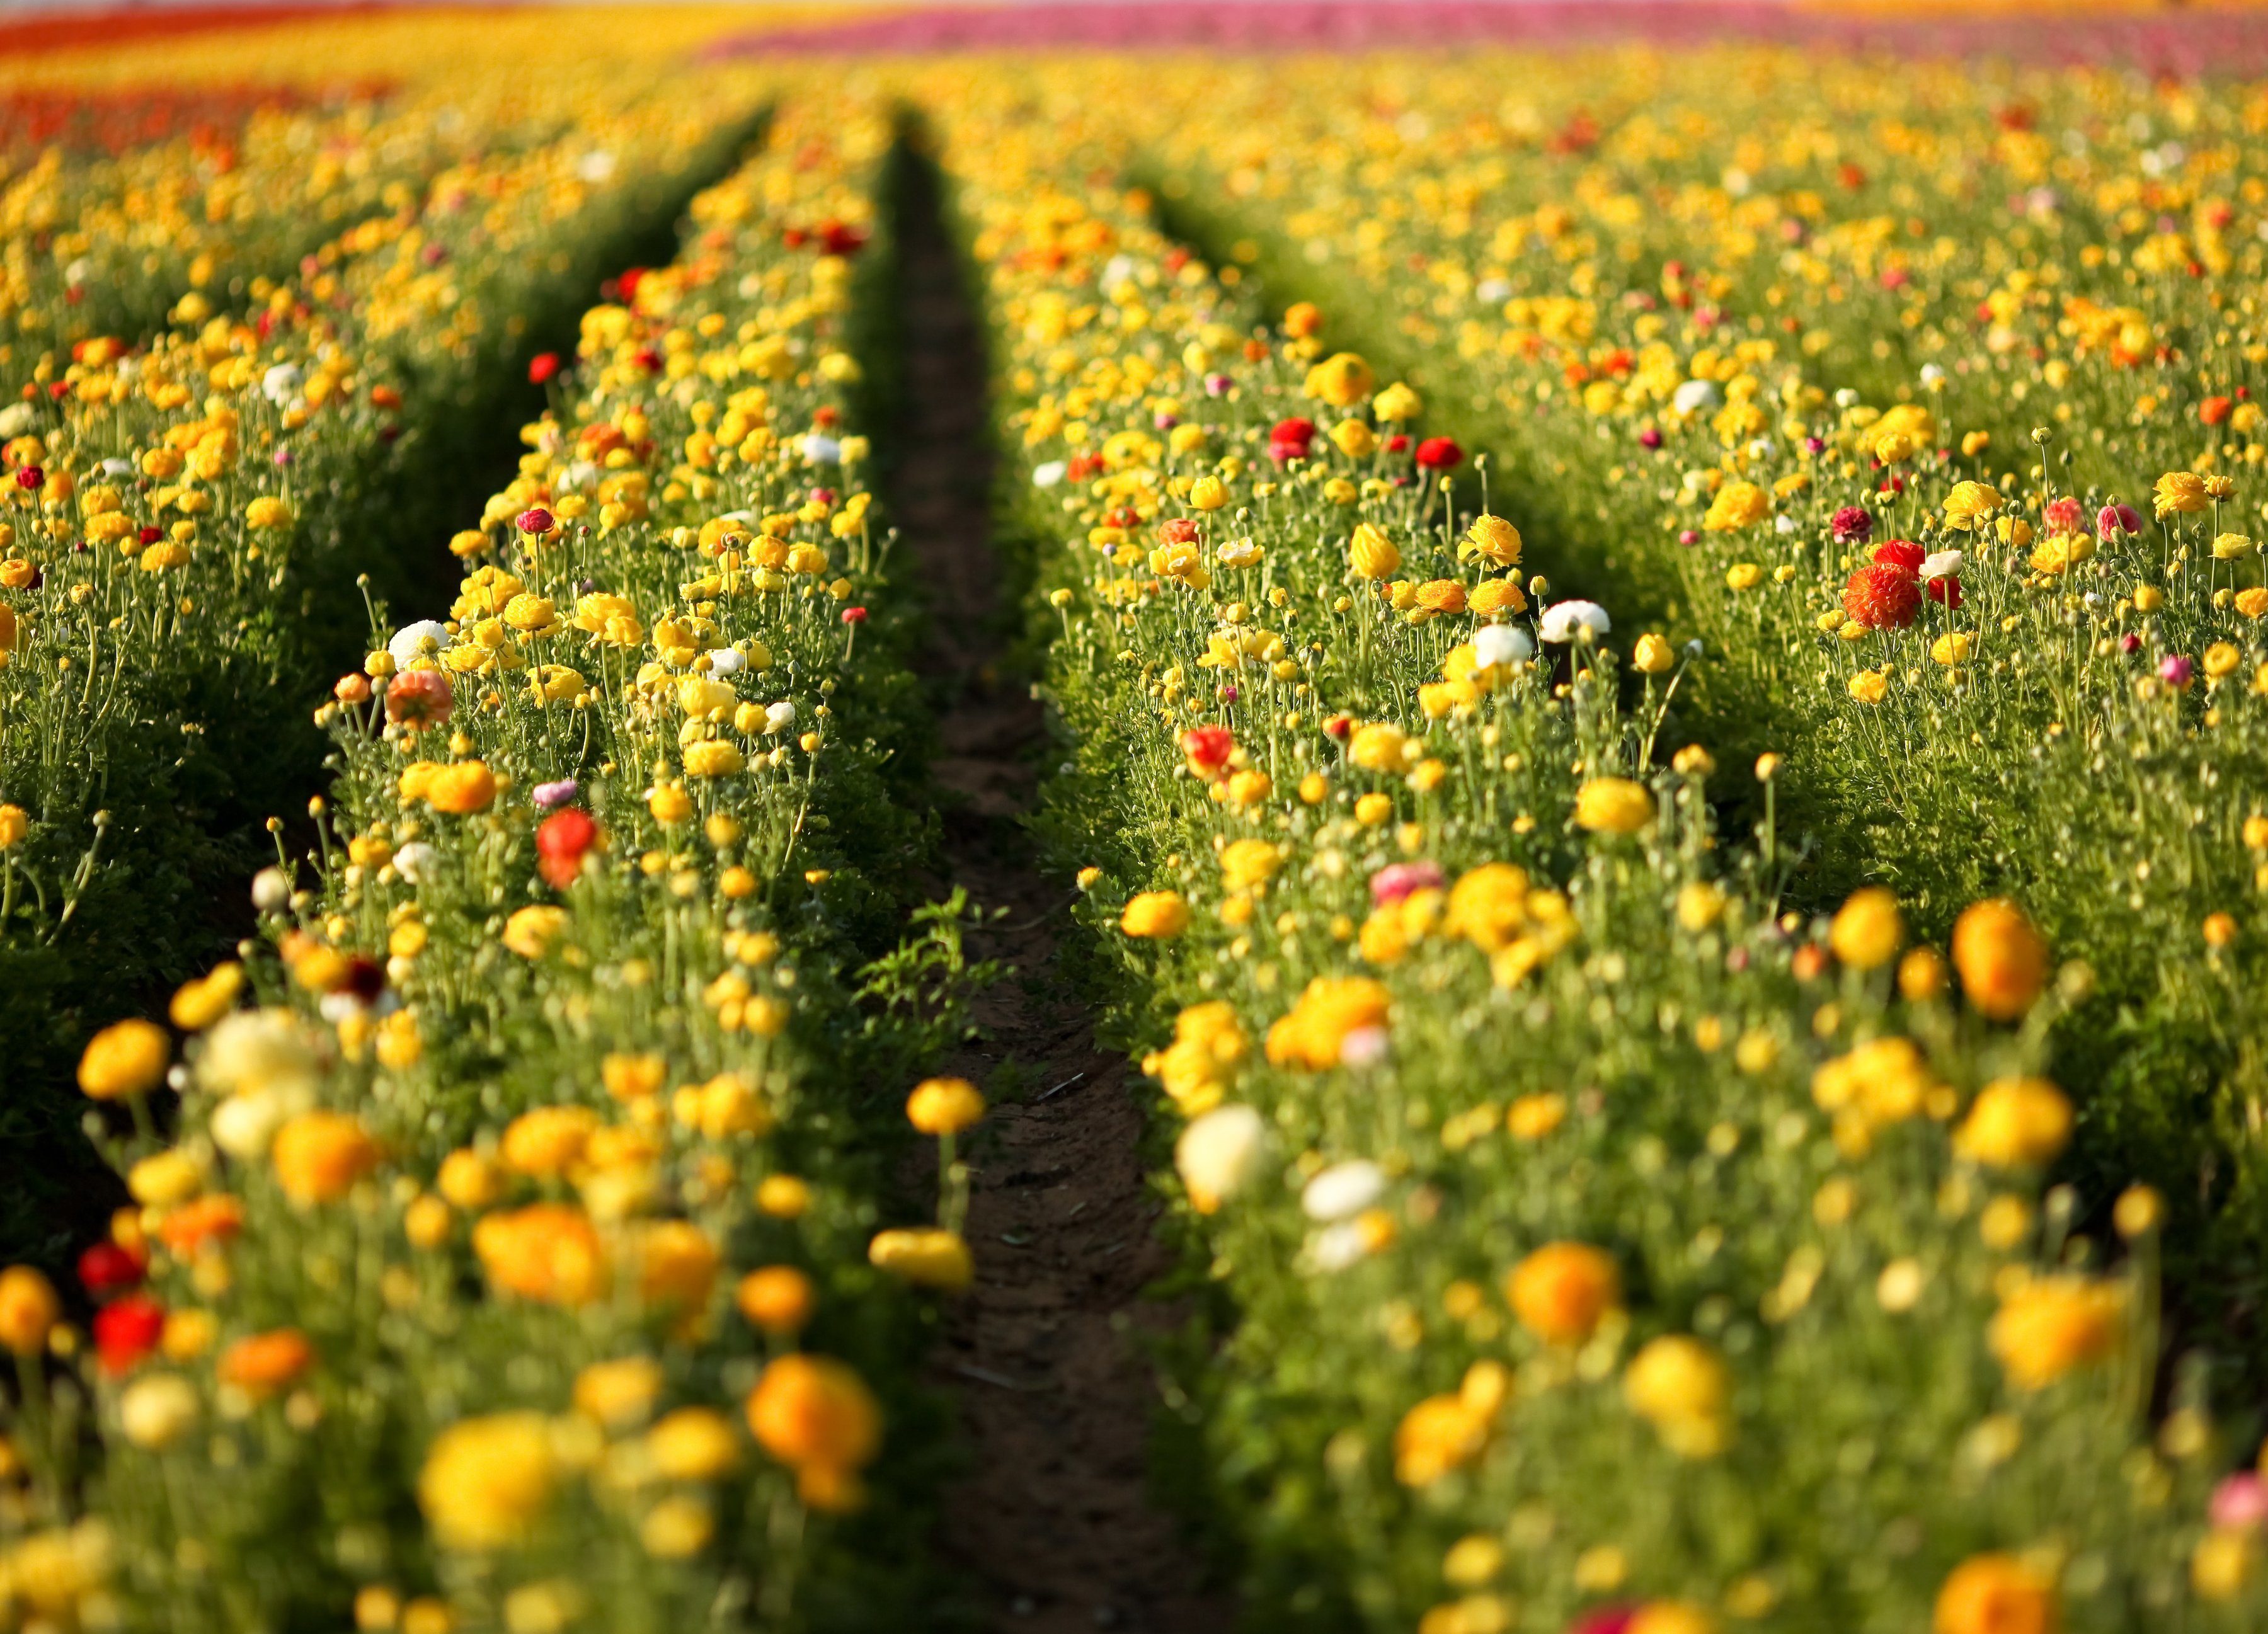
(547, 1251)
(1560, 1291)
(263, 1362)
(1996, 1594)
(777, 1298)
(211, 1220)
(816, 1416)
(2002, 960)
(319, 1155)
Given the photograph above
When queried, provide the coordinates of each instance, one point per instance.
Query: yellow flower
(1342, 379)
(1396, 403)
(944, 1106)
(1315, 1032)
(2229, 547)
(205, 999)
(1653, 656)
(2015, 1122)
(266, 512)
(669, 804)
(927, 1256)
(1613, 805)
(693, 1444)
(461, 788)
(1737, 506)
(1370, 553)
(713, 757)
(487, 1482)
(1197, 1068)
(1155, 914)
(2180, 491)
(1493, 539)
(1743, 576)
(125, 1058)
(1867, 929)
(1954, 647)
(1680, 1385)
(29, 1309)
(1969, 504)
(530, 930)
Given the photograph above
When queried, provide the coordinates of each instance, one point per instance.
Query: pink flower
(2065, 515)
(419, 698)
(2239, 1504)
(1852, 524)
(534, 519)
(2114, 519)
(1391, 884)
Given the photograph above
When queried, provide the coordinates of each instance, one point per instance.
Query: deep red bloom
(1208, 747)
(838, 238)
(1339, 726)
(31, 477)
(149, 535)
(1901, 554)
(1288, 439)
(1396, 444)
(542, 367)
(110, 1268)
(1440, 454)
(1853, 525)
(561, 840)
(1881, 598)
(854, 615)
(127, 1330)
(534, 519)
(1945, 590)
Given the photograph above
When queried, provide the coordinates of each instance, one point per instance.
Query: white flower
(271, 890)
(595, 166)
(17, 418)
(1049, 475)
(280, 384)
(410, 640)
(157, 1409)
(1495, 645)
(1116, 271)
(1933, 373)
(1342, 1190)
(244, 1126)
(1338, 1247)
(259, 1052)
(117, 467)
(413, 860)
(1940, 565)
(1563, 619)
(1490, 291)
(822, 450)
(1783, 523)
(726, 661)
(580, 477)
(1218, 1154)
(1695, 395)
(1846, 399)
(779, 716)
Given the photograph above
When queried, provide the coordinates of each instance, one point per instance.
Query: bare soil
(1054, 1517)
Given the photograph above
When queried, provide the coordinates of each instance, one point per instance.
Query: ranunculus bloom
(419, 698)
(561, 840)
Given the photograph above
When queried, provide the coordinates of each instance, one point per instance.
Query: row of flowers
(185, 520)
(514, 1263)
(1940, 433)
(1609, 1246)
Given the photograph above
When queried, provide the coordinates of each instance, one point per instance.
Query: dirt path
(1054, 1516)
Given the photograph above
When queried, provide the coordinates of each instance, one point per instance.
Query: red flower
(127, 1330)
(1288, 439)
(1945, 590)
(1208, 747)
(31, 478)
(1881, 598)
(1852, 525)
(542, 367)
(1440, 454)
(854, 615)
(2065, 516)
(838, 239)
(2213, 410)
(561, 841)
(1901, 554)
(1177, 531)
(109, 1268)
(534, 519)
(1396, 444)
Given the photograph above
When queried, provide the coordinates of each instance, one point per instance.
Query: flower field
(1626, 685)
